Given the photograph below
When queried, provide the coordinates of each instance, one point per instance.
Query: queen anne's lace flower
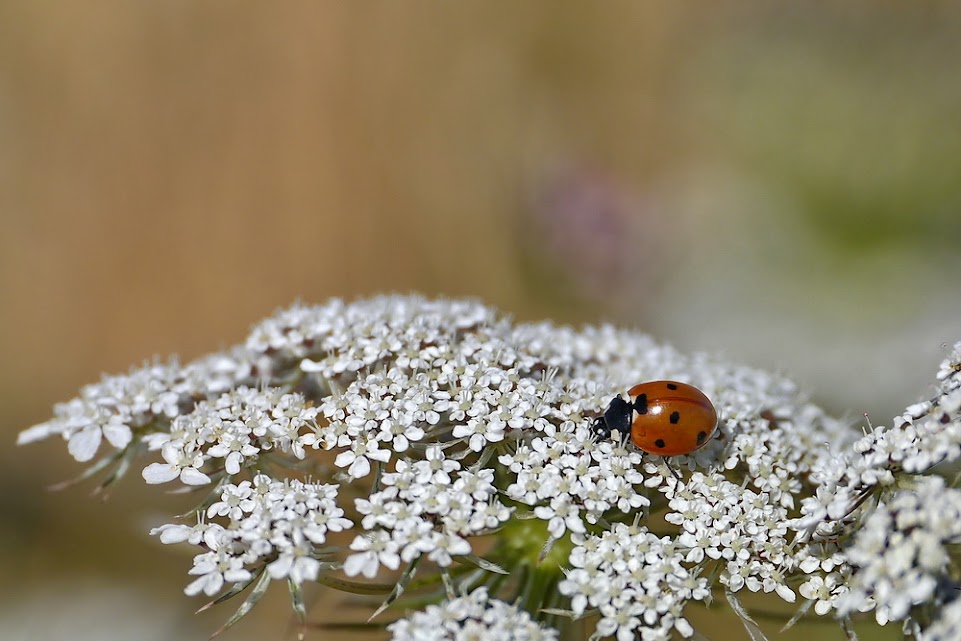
(261, 524)
(470, 618)
(428, 507)
(235, 428)
(925, 435)
(741, 528)
(448, 422)
(636, 580)
(146, 398)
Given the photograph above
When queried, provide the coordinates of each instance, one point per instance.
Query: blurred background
(779, 185)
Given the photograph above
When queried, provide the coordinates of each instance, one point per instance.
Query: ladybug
(662, 417)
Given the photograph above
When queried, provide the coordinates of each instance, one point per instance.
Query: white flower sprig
(901, 553)
(429, 507)
(146, 398)
(280, 526)
(636, 580)
(409, 428)
(234, 428)
(473, 616)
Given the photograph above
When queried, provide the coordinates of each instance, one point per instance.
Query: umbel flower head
(433, 450)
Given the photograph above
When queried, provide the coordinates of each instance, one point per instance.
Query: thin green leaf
(485, 456)
(559, 612)
(472, 580)
(209, 500)
(749, 624)
(297, 601)
(848, 628)
(434, 578)
(236, 589)
(286, 462)
(956, 480)
(355, 587)
(328, 550)
(399, 588)
(548, 546)
(90, 471)
(448, 584)
(130, 453)
(797, 615)
(256, 594)
(461, 454)
(478, 562)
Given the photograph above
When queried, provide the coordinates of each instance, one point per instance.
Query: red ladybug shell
(671, 418)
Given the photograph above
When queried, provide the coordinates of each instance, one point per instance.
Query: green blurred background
(778, 184)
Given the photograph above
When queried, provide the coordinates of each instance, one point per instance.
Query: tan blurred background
(779, 185)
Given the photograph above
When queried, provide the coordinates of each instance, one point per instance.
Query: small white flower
(561, 516)
(210, 535)
(822, 590)
(438, 468)
(480, 432)
(179, 464)
(214, 569)
(373, 550)
(447, 546)
(357, 459)
(295, 564)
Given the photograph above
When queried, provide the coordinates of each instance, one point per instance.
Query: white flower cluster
(338, 339)
(427, 507)
(900, 555)
(892, 579)
(149, 396)
(720, 520)
(925, 435)
(264, 524)
(236, 427)
(636, 581)
(571, 478)
(471, 617)
(441, 414)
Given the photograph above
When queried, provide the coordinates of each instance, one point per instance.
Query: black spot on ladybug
(640, 404)
(659, 442)
(675, 417)
(701, 437)
(671, 386)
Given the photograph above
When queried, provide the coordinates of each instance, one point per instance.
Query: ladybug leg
(667, 462)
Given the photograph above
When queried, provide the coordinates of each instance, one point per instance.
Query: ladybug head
(616, 418)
